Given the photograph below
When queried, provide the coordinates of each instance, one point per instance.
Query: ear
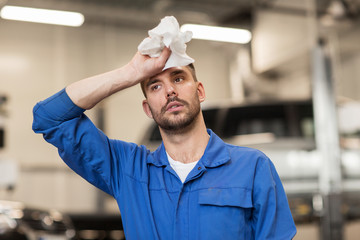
(146, 108)
(201, 91)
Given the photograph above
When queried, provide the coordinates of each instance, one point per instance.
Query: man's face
(173, 99)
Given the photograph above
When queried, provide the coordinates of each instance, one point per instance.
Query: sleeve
(82, 146)
(272, 218)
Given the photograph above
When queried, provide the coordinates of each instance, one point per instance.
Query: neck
(188, 145)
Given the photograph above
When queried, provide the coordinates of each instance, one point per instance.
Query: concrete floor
(311, 231)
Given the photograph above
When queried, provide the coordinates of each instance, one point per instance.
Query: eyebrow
(176, 72)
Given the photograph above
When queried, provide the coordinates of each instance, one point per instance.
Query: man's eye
(155, 87)
(179, 79)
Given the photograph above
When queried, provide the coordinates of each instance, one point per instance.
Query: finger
(165, 54)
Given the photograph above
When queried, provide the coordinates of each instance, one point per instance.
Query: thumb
(164, 56)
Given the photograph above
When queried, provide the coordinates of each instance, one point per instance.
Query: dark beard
(178, 125)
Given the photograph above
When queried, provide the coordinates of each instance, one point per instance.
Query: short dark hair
(190, 66)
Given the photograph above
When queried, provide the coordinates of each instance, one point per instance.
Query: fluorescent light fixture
(38, 15)
(221, 34)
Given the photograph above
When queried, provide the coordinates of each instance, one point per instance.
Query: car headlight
(6, 223)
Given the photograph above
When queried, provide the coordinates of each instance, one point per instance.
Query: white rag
(168, 34)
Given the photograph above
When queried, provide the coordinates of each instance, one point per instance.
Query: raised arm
(82, 146)
(88, 92)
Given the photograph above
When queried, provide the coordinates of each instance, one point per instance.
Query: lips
(174, 106)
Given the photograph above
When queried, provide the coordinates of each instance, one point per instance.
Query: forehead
(170, 72)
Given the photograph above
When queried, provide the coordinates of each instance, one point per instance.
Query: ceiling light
(38, 15)
(221, 34)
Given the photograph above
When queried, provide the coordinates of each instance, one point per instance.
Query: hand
(145, 67)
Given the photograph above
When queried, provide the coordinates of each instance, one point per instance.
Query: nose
(170, 91)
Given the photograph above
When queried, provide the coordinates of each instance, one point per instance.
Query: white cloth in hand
(168, 34)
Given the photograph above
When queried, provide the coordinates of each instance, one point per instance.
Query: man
(194, 186)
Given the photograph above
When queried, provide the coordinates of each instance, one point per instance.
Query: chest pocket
(225, 213)
(230, 197)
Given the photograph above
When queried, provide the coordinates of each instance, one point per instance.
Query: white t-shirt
(181, 169)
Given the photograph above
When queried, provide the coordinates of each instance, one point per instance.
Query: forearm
(88, 92)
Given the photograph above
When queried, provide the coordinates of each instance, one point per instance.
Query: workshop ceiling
(146, 13)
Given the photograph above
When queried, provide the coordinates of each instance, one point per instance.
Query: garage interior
(301, 52)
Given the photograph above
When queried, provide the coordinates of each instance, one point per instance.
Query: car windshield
(282, 120)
